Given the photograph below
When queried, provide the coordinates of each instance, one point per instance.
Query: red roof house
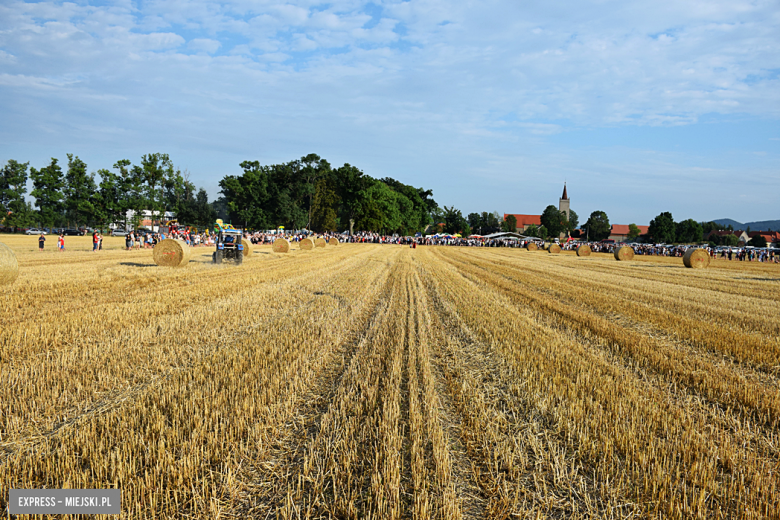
(523, 221)
(769, 236)
(620, 232)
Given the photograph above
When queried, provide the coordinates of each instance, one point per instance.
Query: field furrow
(718, 382)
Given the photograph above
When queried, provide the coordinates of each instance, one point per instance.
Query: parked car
(35, 231)
(119, 233)
(73, 232)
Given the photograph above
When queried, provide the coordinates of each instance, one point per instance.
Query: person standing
(95, 241)
(41, 241)
(61, 243)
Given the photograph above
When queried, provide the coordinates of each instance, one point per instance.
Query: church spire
(564, 192)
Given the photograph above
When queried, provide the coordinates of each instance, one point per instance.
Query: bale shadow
(136, 264)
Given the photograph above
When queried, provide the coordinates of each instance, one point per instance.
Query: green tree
(13, 186)
(351, 186)
(310, 169)
(474, 222)
(155, 167)
(205, 215)
(415, 217)
(247, 196)
(324, 212)
(663, 229)
(381, 211)
(79, 193)
(757, 241)
(554, 220)
(574, 220)
(48, 183)
(597, 227)
(633, 231)
(454, 222)
(729, 240)
(707, 227)
(107, 200)
(510, 224)
(689, 231)
(532, 230)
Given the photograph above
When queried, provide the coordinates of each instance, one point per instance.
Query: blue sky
(641, 107)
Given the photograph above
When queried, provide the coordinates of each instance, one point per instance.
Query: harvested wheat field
(379, 381)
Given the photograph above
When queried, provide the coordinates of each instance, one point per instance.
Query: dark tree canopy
(48, 183)
(689, 231)
(598, 227)
(633, 231)
(554, 221)
(757, 241)
(308, 192)
(663, 229)
(510, 224)
(13, 187)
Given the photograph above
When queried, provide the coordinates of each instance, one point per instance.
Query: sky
(640, 107)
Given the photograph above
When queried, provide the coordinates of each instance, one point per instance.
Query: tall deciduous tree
(13, 186)
(633, 231)
(48, 183)
(510, 224)
(554, 220)
(574, 220)
(351, 184)
(155, 167)
(662, 228)
(689, 231)
(324, 212)
(597, 227)
(79, 192)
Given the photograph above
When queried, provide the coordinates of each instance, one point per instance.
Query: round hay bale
(171, 252)
(531, 246)
(247, 246)
(9, 266)
(320, 242)
(624, 253)
(281, 245)
(583, 250)
(554, 249)
(306, 244)
(696, 258)
(333, 241)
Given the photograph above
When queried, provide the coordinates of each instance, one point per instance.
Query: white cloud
(206, 45)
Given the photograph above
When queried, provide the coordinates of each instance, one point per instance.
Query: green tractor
(229, 246)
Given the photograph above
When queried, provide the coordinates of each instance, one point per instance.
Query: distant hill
(761, 225)
(726, 222)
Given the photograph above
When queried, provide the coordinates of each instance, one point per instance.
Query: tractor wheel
(218, 257)
(239, 257)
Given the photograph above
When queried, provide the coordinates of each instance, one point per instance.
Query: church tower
(563, 203)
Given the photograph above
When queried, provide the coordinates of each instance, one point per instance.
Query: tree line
(74, 197)
(304, 193)
(664, 230)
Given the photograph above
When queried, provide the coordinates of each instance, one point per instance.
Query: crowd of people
(142, 239)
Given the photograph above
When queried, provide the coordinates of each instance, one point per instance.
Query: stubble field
(377, 381)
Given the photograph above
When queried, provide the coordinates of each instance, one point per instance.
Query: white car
(35, 231)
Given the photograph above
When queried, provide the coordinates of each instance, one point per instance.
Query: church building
(523, 221)
(563, 202)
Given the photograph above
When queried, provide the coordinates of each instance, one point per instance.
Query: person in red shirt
(61, 243)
